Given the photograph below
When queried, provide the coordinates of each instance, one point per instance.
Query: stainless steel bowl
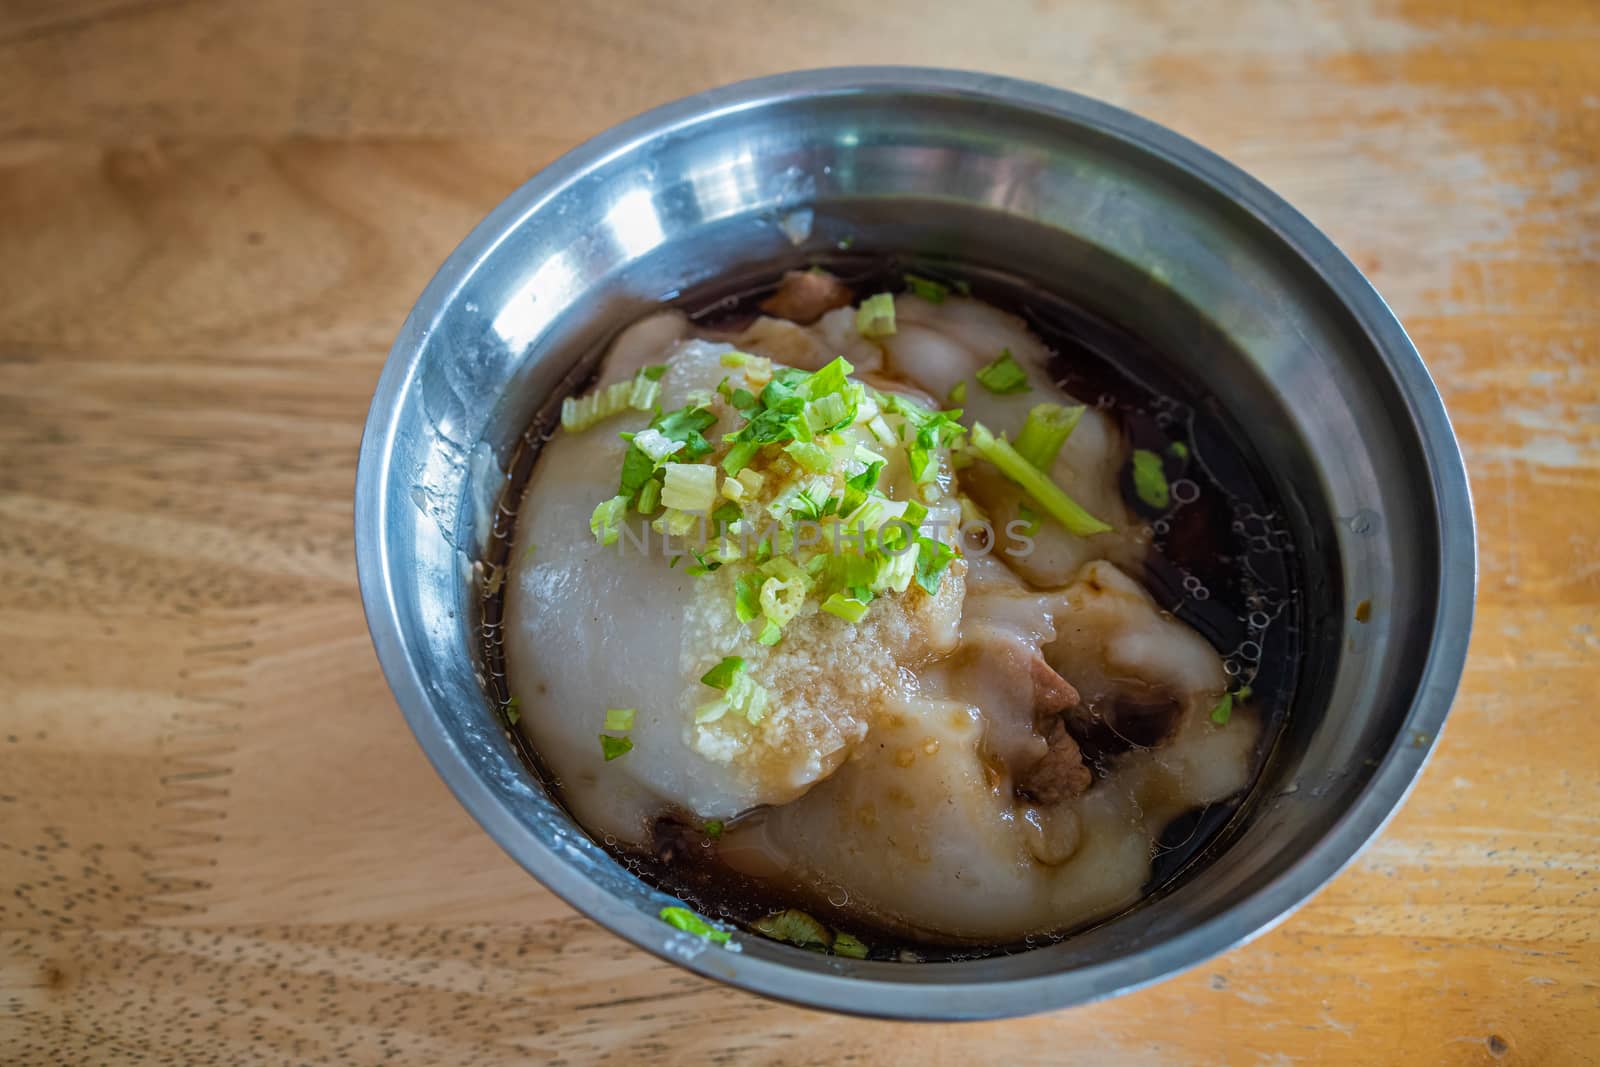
(1255, 304)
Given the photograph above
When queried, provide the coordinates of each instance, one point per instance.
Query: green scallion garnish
(689, 487)
(620, 720)
(928, 289)
(1046, 430)
(721, 676)
(605, 522)
(747, 597)
(613, 747)
(637, 394)
(847, 608)
(1222, 710)
(690, 923)
(875, 317)
(846, 945)
(1046, 493)
(933, 559)
(1004, 376)
(1150, 479)
(795, 927)
(812, 457)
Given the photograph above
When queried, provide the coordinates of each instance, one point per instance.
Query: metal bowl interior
(1259, 311)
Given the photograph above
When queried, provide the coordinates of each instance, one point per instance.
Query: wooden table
(218, 843)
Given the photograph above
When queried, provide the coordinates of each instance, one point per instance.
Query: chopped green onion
(928, 289)
(620, 719)
(934, 433)
(737, 359)
(1061, 507)
(771, 633)
(857, 486)
(894, 572)
(847, 608)
(1180, 451)
(721, 676)
(1047, 429)
(1150, 479)
(649, 497)
(845, 945)
(513, 711)
(654, 371)
(741, 693)
(613, 747)
(881, 432)
(833, 378)
(747, 597)
(873, 513)
(958, 393)
(933, 559)
(637, 393)
(655, 444)
(810, 456)
(875, 317)
(795, 927)
(743, 399)
(1222, 710)
(690, 487)
(829, 413)
(686, 425)
(779, 393)
(712, 828)
(752, 481)
(807, 505)
(605, 522)
(637, 469)
(690, 923)
(727, 514)
(711, 711)
(749, 698)
(1004, 376)
(642, 395)
(677, 523)
(782, 598)
(739, 456)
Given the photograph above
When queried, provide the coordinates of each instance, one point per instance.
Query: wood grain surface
(218, 843)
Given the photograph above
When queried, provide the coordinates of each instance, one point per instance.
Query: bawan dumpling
(852, 589)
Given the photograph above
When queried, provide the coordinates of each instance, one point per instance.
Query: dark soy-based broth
(1222, 560)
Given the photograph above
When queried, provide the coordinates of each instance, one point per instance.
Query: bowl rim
(870, 988)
